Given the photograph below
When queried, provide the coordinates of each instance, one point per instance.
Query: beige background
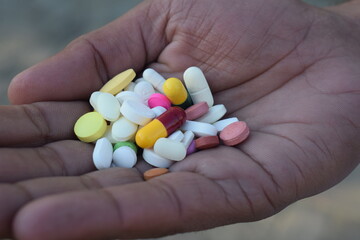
(31, 31)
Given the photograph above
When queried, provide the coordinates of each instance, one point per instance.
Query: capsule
(177, 93)
(160, 127)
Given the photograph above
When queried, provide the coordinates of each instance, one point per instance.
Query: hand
(289, 70)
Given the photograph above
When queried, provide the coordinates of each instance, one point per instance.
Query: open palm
(283, 67)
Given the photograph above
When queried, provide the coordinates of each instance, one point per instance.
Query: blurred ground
(31, 31)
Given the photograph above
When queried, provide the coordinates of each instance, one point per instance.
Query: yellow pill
(90, 127)
(119, 82)
(175, 91)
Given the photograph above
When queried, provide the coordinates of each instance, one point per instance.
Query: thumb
(130, 41)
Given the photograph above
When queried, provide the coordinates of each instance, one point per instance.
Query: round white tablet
(128, 95)
(155, 160)
(137, 112)
(200, 129)
(220, 125)
(102, 154)
(123, 129)
(144, 89)
(93, 99)
(124, 157)
(214, 114)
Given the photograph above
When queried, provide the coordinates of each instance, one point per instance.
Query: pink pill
(196, 111)
(235, 133)
(158, 99)
(192, 148)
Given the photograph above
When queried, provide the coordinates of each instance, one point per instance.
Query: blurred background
(31, 31)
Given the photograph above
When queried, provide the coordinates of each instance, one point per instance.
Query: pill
(108, 106)
(130, 87)
(176, 136)
(200, 129)
(191, 149)
(197, 86)
(154, 78)
(155, 160)
(129, 144)
(162, 126)
(234, 133)
(196, 110)
(123, 129)
(188, 138)
(127, 95)
(108, 134)
(220, 125)
(214, 114)
(119, 82)
(124, 157)
(155, 172)
(102, 154)
(139, 80)
(93, 99)
(177, 93)
(158, 110)
(144, 89)
(137, 112)
(90, 127)
(158, 99)
(170, 149)
(207, 142)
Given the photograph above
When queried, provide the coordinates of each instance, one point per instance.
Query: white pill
(155, 160)
(170, 149)
(128, 95)
(123, 130)
(197, 86)
(200, 129)
(158, 110)
(220, 125)
(176, 136)
(188, 138)
(137, 112)
(139, 80)
(154, 78)
(93, 99)
(108, 134)
(124, 157)
(108, 106)
(144, 89)
(102, 154)
(130, 87)
(214, 114)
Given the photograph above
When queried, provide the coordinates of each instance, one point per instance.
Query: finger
(129, 42)
(14, 196)
(63, 158)
(174, 202)
(39, 123)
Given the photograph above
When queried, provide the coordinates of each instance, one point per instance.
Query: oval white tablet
(214, 114)
(137, 112)
(128, 95)
(124, 157)
(102, 154)
(108, 106)
(220, 125)
(188, 138)
(154, 78)
(144, 89)
(176, 136)
(123, 130)
(93, 99)
(200, 129)
(197, 86)
(170, 149)
(155, 160)
(158, 110)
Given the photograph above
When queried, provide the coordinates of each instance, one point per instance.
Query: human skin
(288, 69)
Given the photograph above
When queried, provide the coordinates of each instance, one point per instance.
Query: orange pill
(155, 172)
(234, 133)
(207, 142)
(196, 111)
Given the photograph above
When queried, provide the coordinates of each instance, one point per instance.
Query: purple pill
(192, 148)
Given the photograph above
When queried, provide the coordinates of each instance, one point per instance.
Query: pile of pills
(167, 120)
